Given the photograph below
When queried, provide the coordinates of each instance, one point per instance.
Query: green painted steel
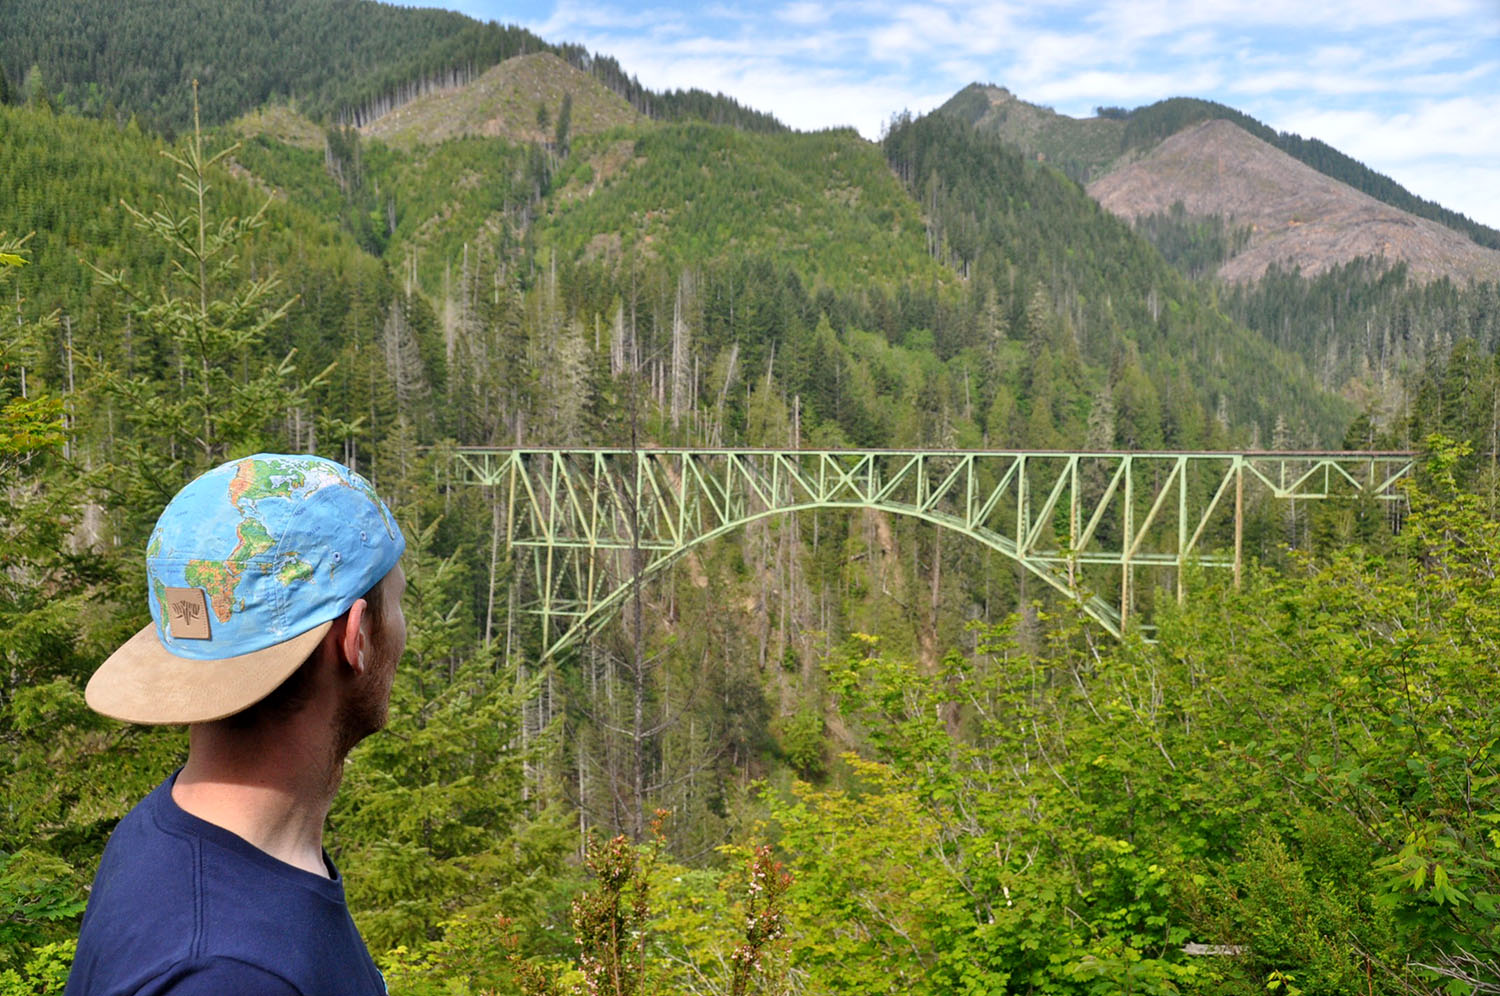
(584, 525)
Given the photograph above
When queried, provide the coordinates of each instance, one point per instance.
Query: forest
(872, 757)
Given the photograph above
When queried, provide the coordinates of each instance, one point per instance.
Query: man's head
(357, 672)
(255, 568)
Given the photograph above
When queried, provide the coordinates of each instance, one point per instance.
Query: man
(276, 626)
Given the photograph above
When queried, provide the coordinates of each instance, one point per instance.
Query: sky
(1409, 88)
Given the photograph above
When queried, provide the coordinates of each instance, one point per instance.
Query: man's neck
(272, 788)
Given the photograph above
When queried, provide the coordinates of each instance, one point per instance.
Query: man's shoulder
(146, 860)
(175, 893)
(142, 916)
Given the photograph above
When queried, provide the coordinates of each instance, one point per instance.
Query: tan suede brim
(144, 682)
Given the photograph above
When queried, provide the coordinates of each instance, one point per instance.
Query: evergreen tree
(216, 393)
(562, 137)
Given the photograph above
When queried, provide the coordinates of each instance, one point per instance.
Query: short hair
(292, 695)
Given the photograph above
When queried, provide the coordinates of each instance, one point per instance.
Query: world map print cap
(247, 568)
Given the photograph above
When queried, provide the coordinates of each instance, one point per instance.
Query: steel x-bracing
(584, 525)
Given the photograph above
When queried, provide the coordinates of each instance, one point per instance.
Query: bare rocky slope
(503, 103)
(1297, 216)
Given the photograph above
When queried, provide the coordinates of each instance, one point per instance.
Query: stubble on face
(367, 709)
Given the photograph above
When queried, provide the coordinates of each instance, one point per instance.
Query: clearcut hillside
(1297, 216)
(520, 99)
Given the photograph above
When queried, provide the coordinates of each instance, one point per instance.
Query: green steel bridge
(584, 526)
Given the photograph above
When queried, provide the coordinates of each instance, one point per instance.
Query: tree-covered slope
(138, 57)
(1080, 147)
(687, 195)
(63, 180)
(1021, 230)
(1051, 320)
(335, 58)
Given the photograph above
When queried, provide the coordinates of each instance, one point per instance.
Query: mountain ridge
(1088, 148)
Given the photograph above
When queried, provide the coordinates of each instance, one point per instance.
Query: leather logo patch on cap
(187, 614)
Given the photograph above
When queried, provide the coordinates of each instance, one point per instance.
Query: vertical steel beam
(1022, 498)
(1073, 522)
(1239, 518)
(1127, 534)
(1182, 537)
(551, 592)
(600, 476)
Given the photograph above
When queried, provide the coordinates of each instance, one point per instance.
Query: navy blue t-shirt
(183, 907)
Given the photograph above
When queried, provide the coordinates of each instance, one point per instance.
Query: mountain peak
(1080, 146)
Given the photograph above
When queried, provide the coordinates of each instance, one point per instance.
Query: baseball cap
(247, 568)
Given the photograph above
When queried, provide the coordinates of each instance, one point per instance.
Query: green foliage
(330, 55)
(802, 743)
(1080, 147)
(764, 916)
(1196, 246)
(212, 405)
(1374, 325)
(451, 195)
(609, 921)
(646, 925)
(433, 825)
(44, 974)
(45, 593)
(34, 893)
(692, 195)
(1300, 770)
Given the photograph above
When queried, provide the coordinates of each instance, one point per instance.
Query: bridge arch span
(604, 609)
(586, 526)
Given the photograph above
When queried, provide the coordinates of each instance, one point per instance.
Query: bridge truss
(585, 525)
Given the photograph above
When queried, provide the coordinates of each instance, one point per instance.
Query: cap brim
(144, 682)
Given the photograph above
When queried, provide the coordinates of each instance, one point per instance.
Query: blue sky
(1410, 88)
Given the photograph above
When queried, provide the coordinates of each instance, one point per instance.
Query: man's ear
(353, 647)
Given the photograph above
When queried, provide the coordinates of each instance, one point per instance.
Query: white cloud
(1134, 18)
(1444, 130)
(570, 19)
(1191, 44)
(1303, 82)
(916, 32)
(1119, 88)
(1445, 151)
(1465, 187)
(1419, 55)
(804, 13)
